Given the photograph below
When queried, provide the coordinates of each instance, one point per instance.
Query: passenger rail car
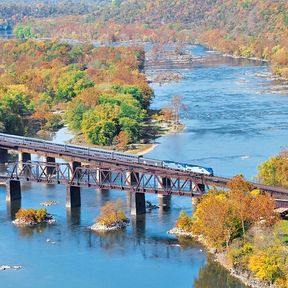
(101, 153)
(57, 147)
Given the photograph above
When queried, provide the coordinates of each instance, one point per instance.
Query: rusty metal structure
(104, 169)
(119, 178)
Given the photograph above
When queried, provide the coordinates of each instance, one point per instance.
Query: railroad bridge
(103, 169)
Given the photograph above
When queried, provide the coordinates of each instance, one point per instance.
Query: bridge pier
(13, 190)
(164, 200)
(13, 207)
(73, 215)
(74, 165)
(24, 157)
(3, 156)
(132, 178)
(138, 225)
(138, 203)
(50, 169)
(73, 196)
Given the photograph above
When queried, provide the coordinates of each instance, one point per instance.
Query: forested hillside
(11, 12)
(248, 28)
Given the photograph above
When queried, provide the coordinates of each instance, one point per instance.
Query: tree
(177, 107)
(111, 213)
(71, 83)
(222, 216)
(100, 125)
(214, 220)
(122, 140)
(167, 114)
(274, 171)
(42, 113)
(24, 32)
(74, 114)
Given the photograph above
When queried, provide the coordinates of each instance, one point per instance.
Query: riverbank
(245, 277)
(153, 130)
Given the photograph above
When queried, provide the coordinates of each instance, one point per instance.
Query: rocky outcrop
(48, 203)
(245, 277)
(28, 222)
(9, 267)
(118, 225)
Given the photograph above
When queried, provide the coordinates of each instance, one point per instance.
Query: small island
(32, 217)
(112, 217)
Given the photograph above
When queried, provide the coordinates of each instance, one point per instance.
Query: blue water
(237, 118)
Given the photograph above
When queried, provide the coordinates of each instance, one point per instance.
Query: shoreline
(137, 148)
(253, 58)
(245, 277)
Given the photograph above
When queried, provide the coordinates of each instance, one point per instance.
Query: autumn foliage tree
(122, 140)
(275, 170)
(222, 216)
(111, 213)
(240, 222)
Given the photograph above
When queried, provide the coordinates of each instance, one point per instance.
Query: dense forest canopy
(101, 89)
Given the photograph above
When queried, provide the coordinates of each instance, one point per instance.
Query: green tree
(74, 114)
(274, 171)
(71, 83)
(24, 32)
(100, 125)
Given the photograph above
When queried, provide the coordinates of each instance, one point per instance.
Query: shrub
(32, 215)
(111, 213)
(184, 222)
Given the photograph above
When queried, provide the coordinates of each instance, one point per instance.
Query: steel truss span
(135, 180)
(149, 171)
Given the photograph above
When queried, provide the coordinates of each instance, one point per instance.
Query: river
(237, 118)
(6, 34)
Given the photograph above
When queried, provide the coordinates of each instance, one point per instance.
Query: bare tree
(177, 107)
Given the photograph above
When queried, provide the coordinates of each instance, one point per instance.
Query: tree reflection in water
(214, 275)
(28, 231)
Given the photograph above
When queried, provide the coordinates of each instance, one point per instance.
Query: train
(106, 154)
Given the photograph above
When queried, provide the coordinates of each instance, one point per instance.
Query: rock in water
(9, 267)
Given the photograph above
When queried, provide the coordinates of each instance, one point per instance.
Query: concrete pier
(3, 156)
(24, 157)
(74, 165)
(50, 169)
(132, 177)
(138, 203)
(164, 201)
(73, 215)
(73, 196)
(13, 190)
(13, 207)
(138, 225)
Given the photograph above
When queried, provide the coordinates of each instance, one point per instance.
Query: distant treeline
(11, 12)
(245, 28)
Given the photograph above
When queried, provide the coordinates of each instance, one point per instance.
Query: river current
(237, 118)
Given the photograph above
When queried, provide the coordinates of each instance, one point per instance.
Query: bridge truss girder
(119, 178)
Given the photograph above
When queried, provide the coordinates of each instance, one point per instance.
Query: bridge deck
(106, 159)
